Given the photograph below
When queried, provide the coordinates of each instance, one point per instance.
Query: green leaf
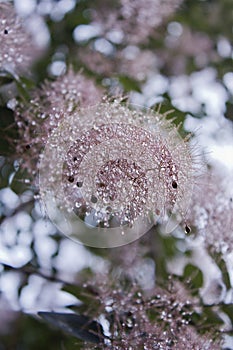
(175, 114)
(21, 181)
(88, 296)
(193, 276)
(5, 78)
(22, 90)
(27, 83)
(228, 309)
(219, 260)
(129, 84)
(8, 131)
(6, 169)
(210, 318)
(229, 110)
(80, 326)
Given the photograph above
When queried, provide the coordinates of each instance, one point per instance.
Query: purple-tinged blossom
(17, 49)
(161, 320)
(116, 169)
(127, 15)
(211, 210)
(46, 109)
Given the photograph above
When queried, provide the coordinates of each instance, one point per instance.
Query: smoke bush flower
(47, 107)
(96, 61)
(17, 50)
(68, 92)
(137, 65)
(211, 210)
(115, 168)
(117, 25)
(128, 23)
(188, 45)
(132, 61)
(161, 320)
(131, 14)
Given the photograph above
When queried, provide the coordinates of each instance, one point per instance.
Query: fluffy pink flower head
(127, 15)
(17, 50)
(47, 108)
(211, 210)
(161, 321)
(69, 91)
(109, 167)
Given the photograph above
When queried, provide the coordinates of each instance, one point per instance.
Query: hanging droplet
(187, 229)
(174, 184)
(71, 179)
(94, 199)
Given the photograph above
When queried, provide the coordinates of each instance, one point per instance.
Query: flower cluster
(162, 320)
(47, 107)
(136, 63)
(17, 50)
(115, 167)
(212, 210)
(69, 91)
(131, 14)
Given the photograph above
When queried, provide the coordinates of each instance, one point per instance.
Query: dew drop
(71, 179)
(101, 184)
(187, 229)
(174, 184)
(94, 199)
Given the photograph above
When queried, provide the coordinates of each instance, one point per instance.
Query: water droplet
(174, 184)
(187, 229)
(71, 179)
(94, 199)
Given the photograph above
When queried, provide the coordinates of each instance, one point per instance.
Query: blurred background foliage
(40, 270)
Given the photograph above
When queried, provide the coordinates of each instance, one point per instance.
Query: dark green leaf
(5, 78)
(129, 84)
(228, 309)
(193, 276)
(229, 110)
(8, 131)
(6, 169)
(77, 325)
(22, 90)
(20, 181)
